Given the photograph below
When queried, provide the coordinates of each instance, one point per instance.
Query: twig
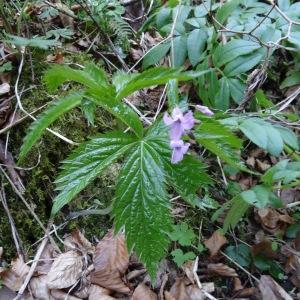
(32, 268)
(27, 205)
(15, 234)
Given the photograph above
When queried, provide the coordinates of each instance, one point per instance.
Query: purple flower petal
(205, 110)
(177, 113)
(176, 131)
(188, 121)
(179, 149)
(167, 119)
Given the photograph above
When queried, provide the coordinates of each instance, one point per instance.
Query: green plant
(230, 39)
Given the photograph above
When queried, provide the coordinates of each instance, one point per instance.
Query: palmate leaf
(91, 76)
(118, 109)
(98, 90)
(87, 162)
(141, 204)
(51, 114)
(155, 76)
(179, 176)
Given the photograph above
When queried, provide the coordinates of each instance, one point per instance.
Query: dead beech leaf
(264, 248)
(65, 270)
(168, 296)
(110, 262)
(272, 221)
(237, 284)
(292, 267)
(178, 290)
(188, 270)
(60, 295)
(38, 287)
(271, 290)
(222, 270)
(46, 260)
(98, 293)
(143, 292)
(4, 88)
(76, 240)
(13, 278)
(215, 243)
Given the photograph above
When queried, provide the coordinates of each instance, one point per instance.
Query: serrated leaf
(195, 45)
(51, 114)
(155, 54)
(87, 162)
(91, 76)
(155, 76)
(141, 204)
(118, 109)
(275, 142)
(233, 49)
(183, 234)
(237, 210)
(180, 258)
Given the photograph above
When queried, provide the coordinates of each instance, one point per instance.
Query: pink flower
(179, 122)
(205, 110)
(179, 149)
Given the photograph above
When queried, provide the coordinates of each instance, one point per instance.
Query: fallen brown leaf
(13, 278)
(4, 88)
(38, 287)
(98, 293)
(46, 260)
(237, 284)
(292, 267)
(221, 269)
(65, 270)
(143, 292)
(264, 248)
(181, 291)
(272, 221)
(60, 295)
(188, 270)
(215, 243)
(271, 290)
(76, 240)
(110, 262)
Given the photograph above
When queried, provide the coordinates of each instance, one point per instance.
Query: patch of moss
(45, 159)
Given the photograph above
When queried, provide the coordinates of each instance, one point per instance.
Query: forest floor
(45, 258)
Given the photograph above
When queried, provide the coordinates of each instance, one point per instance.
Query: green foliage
(141, 203)
(87, 162)
(180, 258)
(197, 38)
(35, 42)
(183, 234)
(284, 171)
(240, 253)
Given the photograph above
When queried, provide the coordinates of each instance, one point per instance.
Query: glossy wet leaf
(87, 162)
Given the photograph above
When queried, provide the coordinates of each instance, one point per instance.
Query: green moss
(45, 159)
